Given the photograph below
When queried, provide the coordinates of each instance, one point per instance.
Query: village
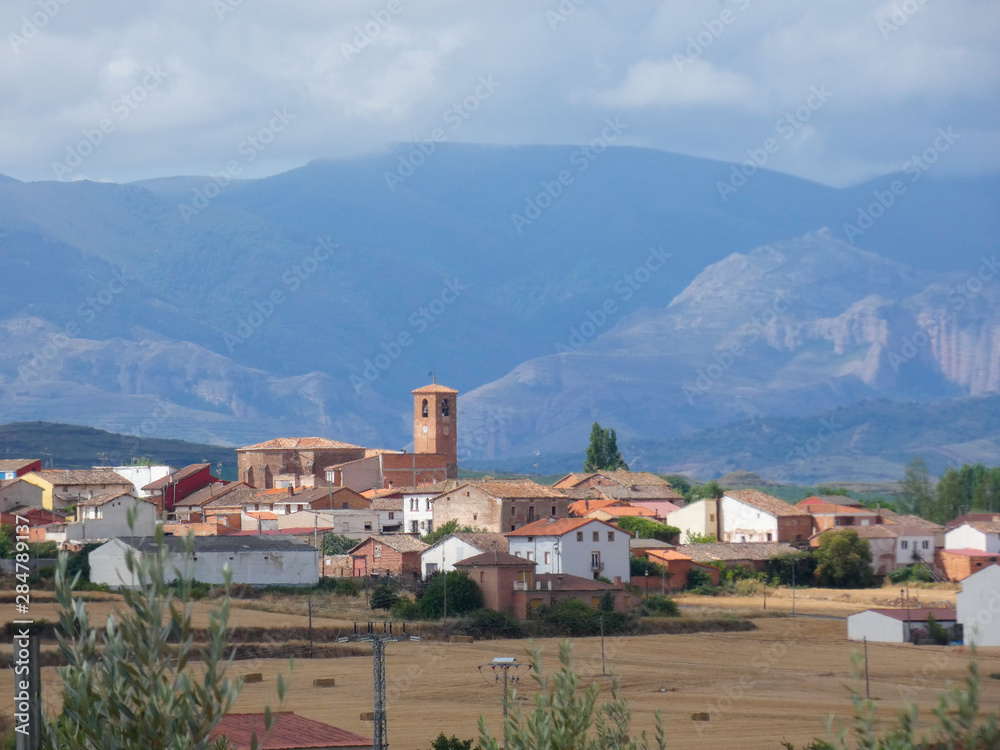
(527, 546)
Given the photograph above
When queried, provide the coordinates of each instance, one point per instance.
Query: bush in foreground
(658, 605)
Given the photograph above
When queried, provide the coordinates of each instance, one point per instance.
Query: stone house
(396, 555)
(497, 573)
(499, 506)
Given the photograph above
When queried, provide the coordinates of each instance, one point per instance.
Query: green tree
(643, 566)
(843, 560)
(693, 537)
(603, 453)
(129, 685)
(678, 482)
(451, 743)
(565, 718)
(383, 597)
(644, 528)
(916, 490)
(337, 544)
(463, 595)
(449, 527)
(711, 490)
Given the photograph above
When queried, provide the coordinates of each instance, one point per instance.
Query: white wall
(906, 545)
(966, 536)
(288, 567)
(567, 554)
(445, 554)
(978, 606)
(113, 522)
(140, 476)
(745, 523)
(423, 513)
(878, 628)
(698, 518)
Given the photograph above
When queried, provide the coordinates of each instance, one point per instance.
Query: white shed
(894, 625)
(254, 560)
(982, 535)
(443, 554)
(978, 605)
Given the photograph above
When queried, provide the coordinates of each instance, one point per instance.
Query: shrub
(572, 617)
(405, 609)
(383, 597)
(463, 595)
(489, 623)
(643, 566)
(644, 528)
(937, 632)
(337, 544)
(698, 578)
(661, 606)
(911, 574)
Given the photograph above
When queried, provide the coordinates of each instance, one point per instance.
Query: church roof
(435, 388)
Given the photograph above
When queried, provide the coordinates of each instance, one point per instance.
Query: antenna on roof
(433, 377)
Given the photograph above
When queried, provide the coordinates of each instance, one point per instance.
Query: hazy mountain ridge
(183, 327)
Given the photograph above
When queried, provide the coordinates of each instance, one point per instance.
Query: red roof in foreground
(288, 732)
(970, 552)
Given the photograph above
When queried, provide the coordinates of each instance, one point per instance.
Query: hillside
(67, 446)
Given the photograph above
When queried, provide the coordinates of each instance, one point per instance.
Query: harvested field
(782, 679)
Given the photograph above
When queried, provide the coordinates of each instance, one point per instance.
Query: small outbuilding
(978, 605)
(895, 625)
(253, 560)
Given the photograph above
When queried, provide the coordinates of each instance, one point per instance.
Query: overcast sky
(180, 86)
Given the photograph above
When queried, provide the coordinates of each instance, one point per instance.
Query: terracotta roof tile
(289, 731)
(82, 476)
(435, 388)
(102, 498)
(513, 489)
(176, 476)
(307, 443)
(735, 550)
(767, 503)
(987, 527)
(398, 542)
(557, 527)
(496, 558)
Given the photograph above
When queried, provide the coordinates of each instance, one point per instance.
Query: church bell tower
(435, 423)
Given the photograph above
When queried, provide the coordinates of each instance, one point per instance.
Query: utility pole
(378, 641)
(793, 587)
(309, 601)
(604, 672)
(445, 616)
(501, 667)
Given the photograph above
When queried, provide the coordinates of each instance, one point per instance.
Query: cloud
(683, 82)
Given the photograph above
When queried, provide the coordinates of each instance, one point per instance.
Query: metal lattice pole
(381, 724)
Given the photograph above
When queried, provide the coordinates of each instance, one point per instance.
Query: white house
(582, 547)
(443, 554)
(356, 524)
(978, 606)
(254, 560)
(140, 476)
(892, 546)
(982, 535)
(755, 516)
(894, 625)
(106, 516)
(418, 508)
(390, 514)
(699, 518)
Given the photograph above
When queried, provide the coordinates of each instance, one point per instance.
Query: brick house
(676, 566)
(395, 555)
(959, 564)
(496, 573)
(171, 489)
(215, 501)
(755, 516)
(552, 588)
(499, 506)
(293, 462)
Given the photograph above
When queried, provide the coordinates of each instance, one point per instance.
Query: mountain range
(631, 290)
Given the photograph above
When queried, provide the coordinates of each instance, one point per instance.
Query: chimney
(618, 580)
(291, 490)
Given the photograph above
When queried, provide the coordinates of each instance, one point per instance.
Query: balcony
(596, 565)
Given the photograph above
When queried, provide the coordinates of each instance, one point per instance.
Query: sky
(836, 91)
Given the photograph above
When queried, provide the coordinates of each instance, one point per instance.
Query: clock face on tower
(424, 428)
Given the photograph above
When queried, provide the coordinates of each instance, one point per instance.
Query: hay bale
(702, 716)
(461, 639)
(367, 716)
(252, 677)
(324, 682)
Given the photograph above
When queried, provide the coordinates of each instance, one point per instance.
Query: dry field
(776, 683)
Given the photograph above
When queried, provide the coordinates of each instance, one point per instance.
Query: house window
(422, 524)
(423, 410)
(904, 544)
(378, 550)
(554, 510)
(445, 411)
(546, 558)
(428, 504)
(413, 503)
(769, 537)
(413, 526)
(579, 536)
(527, 555)
(742, 538)
(711, 516)
(925, 545)
(482, 577)
(368, 527)
(475, 516)
(595, 560)
(597, 536)
(611, 536)
(392, 515)
(531, 538)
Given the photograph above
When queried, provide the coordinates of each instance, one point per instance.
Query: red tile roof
(557, 527)
(767, 503)
(625, 510)
(495, 559)
(288, 732)
(435, 388)
(970, 552)
(308, 443)
(176, 477)
(583, 507)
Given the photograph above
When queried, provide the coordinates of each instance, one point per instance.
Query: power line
(501, 667)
